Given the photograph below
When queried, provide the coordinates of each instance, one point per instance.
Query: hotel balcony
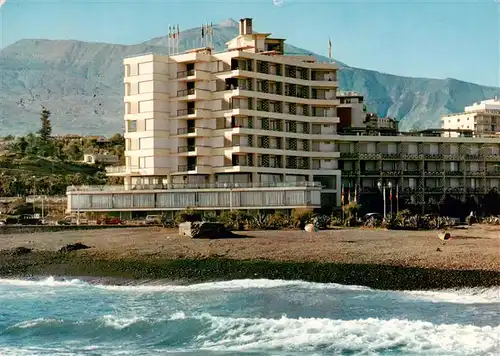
(194, 131)
(203, 197)
(116, 171)
(194, 94)
(194, 74)
(193, 113)
(194, 168)
(120, 171)
(194, 150)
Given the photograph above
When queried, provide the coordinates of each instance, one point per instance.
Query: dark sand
(352, 256)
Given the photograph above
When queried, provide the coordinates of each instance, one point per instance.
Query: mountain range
(81, 84)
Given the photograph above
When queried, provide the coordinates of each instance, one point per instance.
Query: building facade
(253, 128)
(250, 117)
(351, 110)
(481, 118)
(421, 167)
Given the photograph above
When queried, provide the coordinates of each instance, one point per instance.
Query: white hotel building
(253, 128)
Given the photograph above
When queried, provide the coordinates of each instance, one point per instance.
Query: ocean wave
(307, 335)
(48, 282)
(456, 296)
(365, 335)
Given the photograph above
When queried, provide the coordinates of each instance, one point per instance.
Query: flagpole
(342, 202)
(178, 39)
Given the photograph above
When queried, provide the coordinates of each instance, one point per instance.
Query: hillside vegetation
(82, 84)
(38, 164)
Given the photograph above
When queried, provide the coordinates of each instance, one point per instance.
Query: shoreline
(403, 260)
(45, 264)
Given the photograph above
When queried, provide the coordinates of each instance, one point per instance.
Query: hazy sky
(439, 39)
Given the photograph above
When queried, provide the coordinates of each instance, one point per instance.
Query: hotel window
(132, 126)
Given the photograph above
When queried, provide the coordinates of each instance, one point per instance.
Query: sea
(243, 317)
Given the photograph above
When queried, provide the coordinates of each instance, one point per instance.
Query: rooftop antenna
(177, 39)
(169, 41)
(329, 49)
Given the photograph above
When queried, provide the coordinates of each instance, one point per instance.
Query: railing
(370, 173)
(433, 173)
(191, 167)
(120, 169)
(351, 155)
(186, 130)
(270, 165)
(183, 112)
(391, 155)
(433, 156)
(185, 92)
(412, 173)
(183, 149)
(119, 188)
(185, 73)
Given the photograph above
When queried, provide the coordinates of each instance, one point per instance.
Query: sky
(435, 39)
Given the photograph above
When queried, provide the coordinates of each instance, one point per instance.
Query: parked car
(375, 216)
(72, 220)
(23, 220)
(152, 220)
(110, 221)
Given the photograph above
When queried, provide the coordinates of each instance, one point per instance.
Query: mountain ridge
(81, 83)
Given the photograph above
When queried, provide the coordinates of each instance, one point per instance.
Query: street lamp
(230, 186)
(34, 193)
(382, 188)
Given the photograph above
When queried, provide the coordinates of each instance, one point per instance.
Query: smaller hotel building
(481, 118)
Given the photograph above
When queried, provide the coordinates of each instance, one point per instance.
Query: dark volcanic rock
(73, 247)
(21, 250)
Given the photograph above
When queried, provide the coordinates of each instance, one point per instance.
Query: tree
(46, 130)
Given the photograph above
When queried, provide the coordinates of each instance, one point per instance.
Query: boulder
(21, 251)
(444, 236)
(310, 228)
(204, 230)
(73, 247)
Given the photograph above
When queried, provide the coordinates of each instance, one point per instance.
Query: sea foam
(455, 296)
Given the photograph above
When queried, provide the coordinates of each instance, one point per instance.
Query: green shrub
(302, 217)
(278, 221)
(235, 220)
(335, 221)
(187, 215)
(166, 221)
(258, 221)
(470, 220)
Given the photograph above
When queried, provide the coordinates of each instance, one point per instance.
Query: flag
(202, 32)
(342, 195)
(349, 194)
(178, 31)
(356, 193)
(211, 28)
(169, 32)
(329, 48)
(397, 192)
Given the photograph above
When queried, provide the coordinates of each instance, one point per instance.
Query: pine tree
(46, 130)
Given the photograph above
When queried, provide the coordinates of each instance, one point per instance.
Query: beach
(374, 257)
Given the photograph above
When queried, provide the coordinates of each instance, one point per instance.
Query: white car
(152, 219)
